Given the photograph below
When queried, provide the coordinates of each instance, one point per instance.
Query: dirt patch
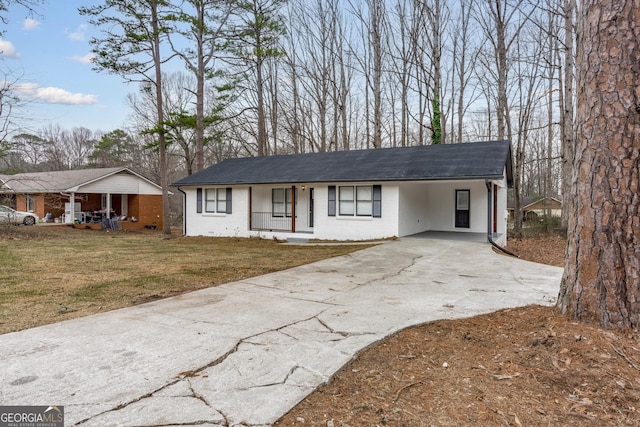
(520, 367)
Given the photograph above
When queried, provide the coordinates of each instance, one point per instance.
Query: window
(281, 202)
(346, 199)
(216, 200)
(359, 200)
(30, 203)
(364, 204)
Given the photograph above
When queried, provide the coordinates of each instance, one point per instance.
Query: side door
(463, 202)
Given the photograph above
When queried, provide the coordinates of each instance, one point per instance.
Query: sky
(48, 56)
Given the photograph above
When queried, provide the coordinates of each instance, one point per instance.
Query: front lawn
(54, 273)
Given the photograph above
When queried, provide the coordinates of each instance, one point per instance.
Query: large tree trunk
(602, 272)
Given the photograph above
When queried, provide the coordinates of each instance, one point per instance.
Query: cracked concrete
(244, 353)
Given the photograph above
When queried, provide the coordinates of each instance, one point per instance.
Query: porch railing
(269, 221)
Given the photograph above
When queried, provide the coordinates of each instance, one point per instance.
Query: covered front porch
(281, 208)
(112, 211)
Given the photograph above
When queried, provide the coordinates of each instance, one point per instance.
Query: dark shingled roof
(476, 160)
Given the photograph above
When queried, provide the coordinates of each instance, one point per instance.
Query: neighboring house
(533, 208)
(354, 195)
(77, 196)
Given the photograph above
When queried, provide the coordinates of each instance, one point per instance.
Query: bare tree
(502, 22)
(57, 159)
(465, 55)
(370, 54)
(601, 281)
(79, 143)
(31, 149)
(9, 102)
(29, 5)
(318, 76)
(403, 51)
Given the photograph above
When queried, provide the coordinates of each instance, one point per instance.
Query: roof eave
(178, 184)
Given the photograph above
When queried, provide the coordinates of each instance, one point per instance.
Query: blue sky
(49, 53)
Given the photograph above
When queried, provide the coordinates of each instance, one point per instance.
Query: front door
(462, 208)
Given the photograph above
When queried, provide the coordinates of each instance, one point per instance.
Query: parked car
(12, 216)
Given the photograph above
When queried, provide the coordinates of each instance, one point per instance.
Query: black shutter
(199, 200)
(332, 200)
(228, 200)
(377, 201)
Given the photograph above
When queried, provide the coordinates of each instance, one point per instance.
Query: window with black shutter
(199, 200)
(377, 201)
(228, 200)
(332, 200)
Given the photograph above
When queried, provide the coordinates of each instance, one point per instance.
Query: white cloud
(86, 59)
(30, 24)
(7, 49)
(79, 33)
(54, 95)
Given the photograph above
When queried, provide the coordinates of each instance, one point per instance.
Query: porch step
(297, 240)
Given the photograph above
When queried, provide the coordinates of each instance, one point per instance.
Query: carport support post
(250, 208)
(108, 207)
(72, 208)
(489, 199)
(293, 208)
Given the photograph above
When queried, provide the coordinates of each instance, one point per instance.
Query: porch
(272, 221)
(281, 209)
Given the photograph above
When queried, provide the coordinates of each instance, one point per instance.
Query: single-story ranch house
(354, 195)
(533, 208)
(86, 196)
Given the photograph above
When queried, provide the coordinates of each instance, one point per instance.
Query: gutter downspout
(184, 211)
(489, 233)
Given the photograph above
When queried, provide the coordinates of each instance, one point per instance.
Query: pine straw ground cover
(54, 273)
(520, 367)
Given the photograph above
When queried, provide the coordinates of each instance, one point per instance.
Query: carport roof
(475, 160)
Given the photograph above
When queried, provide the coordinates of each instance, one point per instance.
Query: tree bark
(162, 145)
(375, 38)
(567, 113)
(601, 282)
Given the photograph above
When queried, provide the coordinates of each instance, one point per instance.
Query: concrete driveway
(244, 353)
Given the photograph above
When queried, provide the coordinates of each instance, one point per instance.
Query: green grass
(48, 274)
